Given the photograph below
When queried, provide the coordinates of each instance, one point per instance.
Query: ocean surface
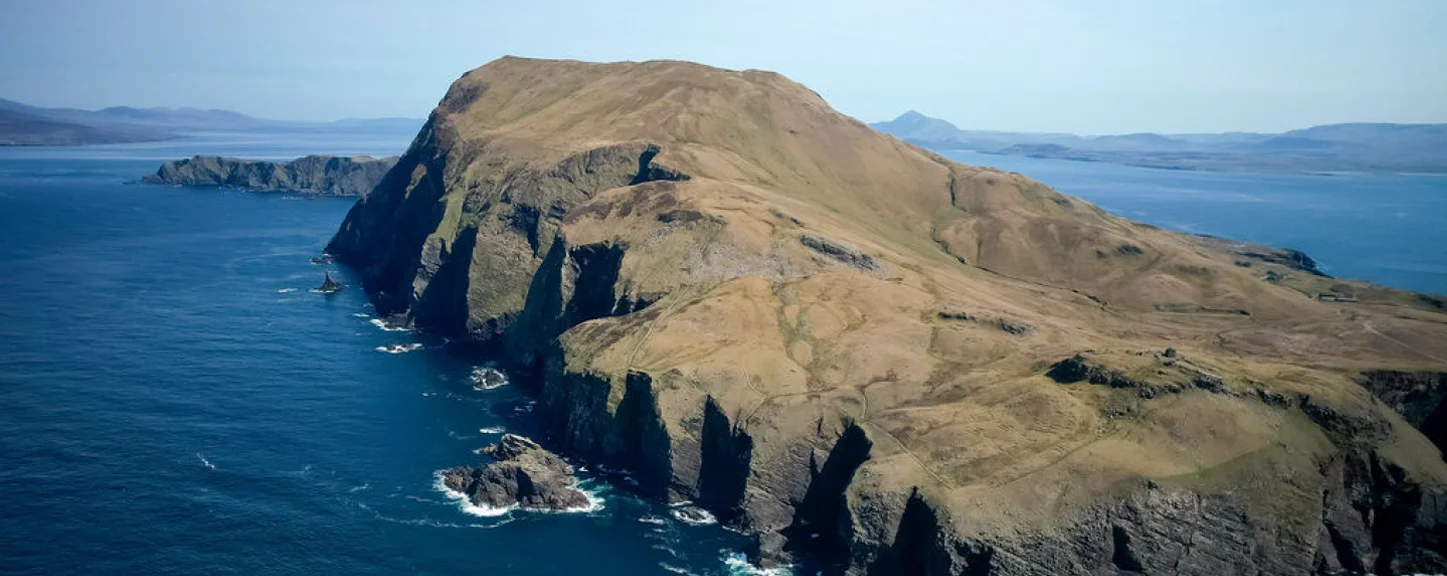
(174, 399)
(1385, 228)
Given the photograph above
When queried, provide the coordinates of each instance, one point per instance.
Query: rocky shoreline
(706, 306)
(309, 175)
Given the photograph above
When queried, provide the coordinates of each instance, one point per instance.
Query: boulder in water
(524, 475)
(329, 286)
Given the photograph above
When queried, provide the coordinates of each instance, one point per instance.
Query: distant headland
(312, 175)
(1356, 147)
(25, 125)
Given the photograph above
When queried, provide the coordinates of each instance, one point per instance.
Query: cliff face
(320, 175)
(853, 348)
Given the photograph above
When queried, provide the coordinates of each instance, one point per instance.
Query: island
(311, 175)
(874, 360)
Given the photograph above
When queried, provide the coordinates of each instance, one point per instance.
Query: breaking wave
(380, 323)
(465, 504)
(738, 565)
(399, 348)
(488, 378)
(693, 515)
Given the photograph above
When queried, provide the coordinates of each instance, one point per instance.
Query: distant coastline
(1335, 148)
(25, 125)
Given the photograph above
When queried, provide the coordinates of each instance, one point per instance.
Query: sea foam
(488, 378)
(465, 504)
(380, 323)
(693, 515)
(399, 348)
(738, 565)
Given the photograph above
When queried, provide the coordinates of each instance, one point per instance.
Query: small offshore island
(878, 361)
(318, 175)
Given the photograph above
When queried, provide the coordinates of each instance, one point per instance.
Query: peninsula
(878, 361)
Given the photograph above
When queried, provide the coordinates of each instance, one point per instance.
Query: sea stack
(328, 285)
(522, 475)
(884, 362)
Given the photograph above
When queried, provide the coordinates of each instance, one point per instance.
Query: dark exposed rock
(470, 236)
(845, 254)
(1171, 375)
(823, 525)
(1081, 368)
(1273, 398)
(1346, 428)
(329, 286)
(524, 475)
(1009, 326)
(1374, 519)
(1293, 259)
(650, 172)
(955, 315)
(724, 456)
(1420, 397)
(320, 175)
(1015, 327)
(1209, 383)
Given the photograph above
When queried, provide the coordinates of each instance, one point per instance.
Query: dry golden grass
(781, 335)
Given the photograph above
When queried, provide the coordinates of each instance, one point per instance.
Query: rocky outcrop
(1420, 397)
(1150, 374)
(754, 303)
(843, 254)
(523, 475)
(313, 175)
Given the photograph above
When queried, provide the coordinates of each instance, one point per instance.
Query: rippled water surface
(174, 400)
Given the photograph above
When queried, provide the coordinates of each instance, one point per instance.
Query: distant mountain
(24, 125)
(1372, 147)
(177, 118)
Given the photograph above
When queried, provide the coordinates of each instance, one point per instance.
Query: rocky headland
(312, 175)
(878, 361)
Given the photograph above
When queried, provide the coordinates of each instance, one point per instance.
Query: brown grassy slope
(984, 280)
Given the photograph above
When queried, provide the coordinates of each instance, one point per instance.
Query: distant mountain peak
(915, 125)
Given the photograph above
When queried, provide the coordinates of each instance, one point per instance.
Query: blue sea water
(1385, 228)
(173, 399)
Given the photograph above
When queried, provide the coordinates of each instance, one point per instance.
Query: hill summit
(879, 361)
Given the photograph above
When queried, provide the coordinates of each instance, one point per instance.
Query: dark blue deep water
(173, 400)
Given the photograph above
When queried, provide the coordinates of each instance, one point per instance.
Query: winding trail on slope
(1369, 328)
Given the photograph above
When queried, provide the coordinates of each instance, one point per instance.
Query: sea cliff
(316, 174)
(877, 361)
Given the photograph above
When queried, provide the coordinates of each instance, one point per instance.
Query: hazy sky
(1089, 66)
